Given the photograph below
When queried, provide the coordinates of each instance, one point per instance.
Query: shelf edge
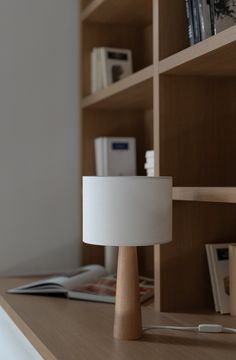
(122, 85)
(205, 194)
(195, 52)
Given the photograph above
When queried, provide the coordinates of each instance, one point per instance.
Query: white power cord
(201, 328)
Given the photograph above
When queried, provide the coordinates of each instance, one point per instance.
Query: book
(190, 21)
(205, 19)
(196, 21)
(109, 65)
(224, 13)
(89, 283)
(116, 64)
(200, 21)
(212, 277)
(219, 274)
(115, 156)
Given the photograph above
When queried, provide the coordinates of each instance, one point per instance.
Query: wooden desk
(74, 330)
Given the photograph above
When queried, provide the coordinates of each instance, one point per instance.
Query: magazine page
(66, 281)
(104, 290)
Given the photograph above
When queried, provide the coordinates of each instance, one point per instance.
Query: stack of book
(149, 164)
(109, 65)
(209, 17)
(218, 263)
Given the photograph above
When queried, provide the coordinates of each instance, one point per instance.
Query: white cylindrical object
(127, 211)
(110, 259)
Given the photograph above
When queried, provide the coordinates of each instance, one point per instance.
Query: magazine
(90, 283)
(218, 261)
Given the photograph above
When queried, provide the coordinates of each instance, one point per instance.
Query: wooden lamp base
(127, 324)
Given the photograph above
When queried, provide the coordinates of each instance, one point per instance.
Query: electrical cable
(201, 328)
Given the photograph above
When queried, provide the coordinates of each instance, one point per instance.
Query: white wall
(39, 200)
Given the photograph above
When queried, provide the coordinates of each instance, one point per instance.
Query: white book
(94, 85)
(149, 154)
(149, 166)
(100, 84)
(116, 64)
(115, 156)
(220, 265)
(212, 278)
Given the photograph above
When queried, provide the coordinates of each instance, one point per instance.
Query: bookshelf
(181, 101)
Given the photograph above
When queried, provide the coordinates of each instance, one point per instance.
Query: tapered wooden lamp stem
(127, 324)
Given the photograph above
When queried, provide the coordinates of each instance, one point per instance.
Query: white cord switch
(210, 328)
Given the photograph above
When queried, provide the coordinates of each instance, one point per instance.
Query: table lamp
(127, 212)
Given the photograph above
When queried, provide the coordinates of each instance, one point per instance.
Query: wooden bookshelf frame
(181, 101)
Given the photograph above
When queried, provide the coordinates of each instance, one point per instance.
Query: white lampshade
(127, 211)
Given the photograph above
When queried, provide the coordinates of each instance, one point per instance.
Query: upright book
(218, 261)
(109, 65)
(115, 156)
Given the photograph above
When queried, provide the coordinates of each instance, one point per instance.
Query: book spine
(212, 278)
(190, 21)
(202, 20)
(212, 14)
(196, 21)
(93, 71)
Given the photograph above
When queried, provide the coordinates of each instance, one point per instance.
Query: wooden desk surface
(74, 330)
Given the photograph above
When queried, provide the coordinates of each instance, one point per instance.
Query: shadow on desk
(201, 340)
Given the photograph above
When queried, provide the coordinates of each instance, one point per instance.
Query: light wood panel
(206, 194)
(215, 56)
(75, 330)
(172, 32)
(26, 331)
(133, 92)
(128, 12)
(198, 128)
(184, 277)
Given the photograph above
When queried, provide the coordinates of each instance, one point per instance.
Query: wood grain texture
(207, 194)
(197, 127)
(133, 92)
(185, 283)
(215, 56)
(232, 279)
(127, 323)
(156, 135)
(74, 330)
(129, 12)
(28, 333)
(172, 31)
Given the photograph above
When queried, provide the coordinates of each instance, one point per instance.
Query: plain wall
(39, 173)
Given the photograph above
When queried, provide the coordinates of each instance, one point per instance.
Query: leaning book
(91, 283)
(218, 261)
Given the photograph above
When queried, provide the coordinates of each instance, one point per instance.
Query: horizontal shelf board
(133, 92)
(207, 194)
(215, 56)
(130, 12)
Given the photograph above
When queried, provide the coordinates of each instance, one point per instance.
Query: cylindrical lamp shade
(127, 211)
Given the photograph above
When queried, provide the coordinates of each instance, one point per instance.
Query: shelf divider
(205, 194)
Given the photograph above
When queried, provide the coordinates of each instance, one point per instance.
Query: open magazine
(90, 283)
